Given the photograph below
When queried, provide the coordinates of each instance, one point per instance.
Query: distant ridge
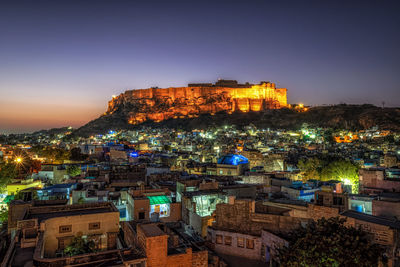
(356, 117)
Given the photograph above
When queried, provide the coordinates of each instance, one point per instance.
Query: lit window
(250, 243)
(228, 240)
(65, 229)
(240, 242)
(94, 226)
(218, 239)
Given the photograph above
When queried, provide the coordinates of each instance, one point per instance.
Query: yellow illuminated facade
(14, 188)
(158, 104)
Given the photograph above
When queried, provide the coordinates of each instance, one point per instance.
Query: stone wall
(241, 217)
(376, 179)
(386, 209)
(235, 247)
(317, 212)
(200, 258)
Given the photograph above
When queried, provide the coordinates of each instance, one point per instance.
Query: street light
(18, 160)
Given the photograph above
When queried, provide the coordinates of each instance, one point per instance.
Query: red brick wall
(156, 251)
(180, 260)
(175, 213)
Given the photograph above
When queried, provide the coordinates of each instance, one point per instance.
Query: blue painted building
(232, 165)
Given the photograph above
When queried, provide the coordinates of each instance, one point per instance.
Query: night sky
(61, 61)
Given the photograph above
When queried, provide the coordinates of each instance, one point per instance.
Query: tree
(310, 168)
(342, 170)
(73, 170)
(52, 154)
(76, 154)
(3, 216)
(79, 246)
(330, 243)
(8, 172)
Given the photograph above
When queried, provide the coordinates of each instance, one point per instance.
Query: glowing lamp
(346, 181)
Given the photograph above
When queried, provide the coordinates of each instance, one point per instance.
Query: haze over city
(60, 62)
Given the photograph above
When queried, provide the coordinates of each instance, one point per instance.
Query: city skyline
(61, 62)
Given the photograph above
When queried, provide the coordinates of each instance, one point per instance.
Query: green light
(155, 200)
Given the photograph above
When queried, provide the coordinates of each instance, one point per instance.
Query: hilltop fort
(158, 104)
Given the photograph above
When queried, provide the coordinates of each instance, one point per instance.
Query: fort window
(250, 243)
(228, 240)
(65, 229)
(94, 226)
(219, 239)
(240, 242)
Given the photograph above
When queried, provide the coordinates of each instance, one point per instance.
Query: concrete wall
(109, 223)
(270, 243)
(136, 205)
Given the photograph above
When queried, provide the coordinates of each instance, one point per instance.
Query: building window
(250, 243)
(228, 240)
(94, 226)
(240, 242)
(337, 201)
(65, 229)
(63, 242)
(141, 215)
(320, 200)
(218, 239)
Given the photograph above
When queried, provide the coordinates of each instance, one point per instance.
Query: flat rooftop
(45, 213)
(203, 192)
(151, 230)
(372, 219)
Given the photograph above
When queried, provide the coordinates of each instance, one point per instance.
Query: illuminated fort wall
(176, 102)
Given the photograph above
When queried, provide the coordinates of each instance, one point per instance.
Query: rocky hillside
(338, 116)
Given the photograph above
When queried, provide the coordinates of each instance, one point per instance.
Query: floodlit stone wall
(159, 104)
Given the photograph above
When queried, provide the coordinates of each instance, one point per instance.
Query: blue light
(232, 159)
(134, 154)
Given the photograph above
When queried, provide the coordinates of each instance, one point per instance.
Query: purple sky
(61, 61)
